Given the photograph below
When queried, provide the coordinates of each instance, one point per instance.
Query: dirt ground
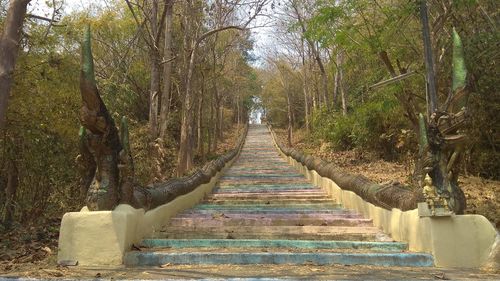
(298, 272)
(483, 195)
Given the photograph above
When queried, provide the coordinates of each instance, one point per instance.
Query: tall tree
(315, 51)
(9, 48)
(167, 68)
(151, 29)
(185, 155)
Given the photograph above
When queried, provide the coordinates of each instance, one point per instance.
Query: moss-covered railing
(388, 195)
(465, 241)
(162, 193)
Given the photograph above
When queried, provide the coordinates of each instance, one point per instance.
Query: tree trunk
(155, 73)
(185, 158)
(290, 125)
(304, 87)
(199, 126)
(221, 122)
(429, 61)
(9, 48)
(336, 89)
(167, 69)
(218, 127)
(238, 109)
(211, 125)
(185, 155)
(343, 94)
(406, 100)
(324, 81)
(317, 57)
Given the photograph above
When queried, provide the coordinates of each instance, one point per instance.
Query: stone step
(224, 186)
(273, 198)
(299, 185)
(265, 213)
(283, 167)
(310, 194)
(231, 175)
(244, 258)
(267, 201)
(283, 244)
(262, 181)
(270, 207)
(274, 232)
(281, 216)
(224, 220)
(263, 191)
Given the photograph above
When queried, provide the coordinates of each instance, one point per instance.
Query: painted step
(376, 259)
(262, 181)
(274, 232)
(226, 221)
(282, 216)
(266, 197)
(310, 194)
(258, 243)
(269, 207)
(260, 170)
(240, 184)
(264, 212)
(267, 201)
(265, 191)
(273, 175)
(297, 186)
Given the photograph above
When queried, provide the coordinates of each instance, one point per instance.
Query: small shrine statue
(430, 194)
(434, 200)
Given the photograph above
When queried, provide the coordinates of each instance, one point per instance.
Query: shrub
(374, 125)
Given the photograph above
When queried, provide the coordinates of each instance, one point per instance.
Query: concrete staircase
(264, 212)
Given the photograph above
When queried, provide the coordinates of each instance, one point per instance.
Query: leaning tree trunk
(9, 48)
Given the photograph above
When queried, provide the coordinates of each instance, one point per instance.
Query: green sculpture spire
(87, 58)
(459, 70)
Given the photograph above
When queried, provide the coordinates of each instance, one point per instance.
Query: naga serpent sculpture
(441, 141)
(105, 161)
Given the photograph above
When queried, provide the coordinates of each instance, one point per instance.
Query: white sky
(263, 35)
(40, 7)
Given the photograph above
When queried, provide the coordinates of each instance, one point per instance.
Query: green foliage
(363, 30)
(373, 125)
(42, 132)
